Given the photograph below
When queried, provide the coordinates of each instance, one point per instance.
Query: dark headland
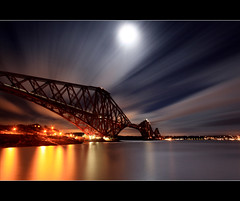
(19, 140)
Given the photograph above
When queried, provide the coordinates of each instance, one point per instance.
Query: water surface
(127, 160)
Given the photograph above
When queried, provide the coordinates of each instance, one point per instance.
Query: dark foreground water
(128, 160)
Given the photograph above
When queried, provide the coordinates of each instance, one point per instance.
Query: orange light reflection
(9, 164)
(53, 163)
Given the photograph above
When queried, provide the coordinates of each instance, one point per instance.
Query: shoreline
(20, 140)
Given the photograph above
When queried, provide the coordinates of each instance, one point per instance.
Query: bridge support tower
(146, 130)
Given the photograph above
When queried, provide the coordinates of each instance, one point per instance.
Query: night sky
(183, 76)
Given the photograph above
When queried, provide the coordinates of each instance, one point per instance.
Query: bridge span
(91, 109)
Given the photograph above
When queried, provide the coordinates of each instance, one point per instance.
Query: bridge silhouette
(90, 108)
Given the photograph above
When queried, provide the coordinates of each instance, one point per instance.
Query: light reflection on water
(9, 160)
(123, 161)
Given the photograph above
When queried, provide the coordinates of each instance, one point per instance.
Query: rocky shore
(19, 140)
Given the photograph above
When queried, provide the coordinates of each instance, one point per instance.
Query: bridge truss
(91, 109)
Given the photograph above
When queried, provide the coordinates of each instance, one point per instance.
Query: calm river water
(126, 160)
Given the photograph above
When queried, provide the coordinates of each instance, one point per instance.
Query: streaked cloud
(10, 107)
(182, 76)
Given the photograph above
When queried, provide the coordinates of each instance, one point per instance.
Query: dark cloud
(224, 122)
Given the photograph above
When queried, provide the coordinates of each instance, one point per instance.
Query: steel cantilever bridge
(91, 109)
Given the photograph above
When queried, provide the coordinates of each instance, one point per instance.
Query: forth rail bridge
(91, 109)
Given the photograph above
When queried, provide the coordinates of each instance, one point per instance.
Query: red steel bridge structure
(91, 109)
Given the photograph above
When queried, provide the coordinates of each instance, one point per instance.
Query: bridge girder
(91, 109)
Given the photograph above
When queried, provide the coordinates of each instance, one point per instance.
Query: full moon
(128, 35)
